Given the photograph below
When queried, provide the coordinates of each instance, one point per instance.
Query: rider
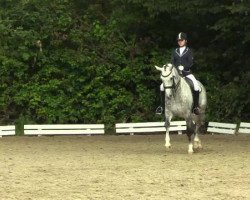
(182, 57)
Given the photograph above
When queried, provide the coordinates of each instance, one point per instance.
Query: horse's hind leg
(199, 123)
(190, 131)
(190, 144)
(197, 141)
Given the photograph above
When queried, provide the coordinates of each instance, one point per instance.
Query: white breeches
(195, 82)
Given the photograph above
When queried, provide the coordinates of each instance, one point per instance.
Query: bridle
(174, 86)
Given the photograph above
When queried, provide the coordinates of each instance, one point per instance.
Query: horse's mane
(176, 72)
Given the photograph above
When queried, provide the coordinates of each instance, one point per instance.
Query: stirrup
(196, 110)
(159, 110)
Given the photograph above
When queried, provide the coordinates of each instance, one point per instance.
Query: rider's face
(182, 43)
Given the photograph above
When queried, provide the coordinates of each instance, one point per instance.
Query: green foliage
(92, 61)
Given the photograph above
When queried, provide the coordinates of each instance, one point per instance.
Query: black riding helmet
(182, 36)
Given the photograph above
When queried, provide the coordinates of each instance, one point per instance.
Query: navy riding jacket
(185, 59)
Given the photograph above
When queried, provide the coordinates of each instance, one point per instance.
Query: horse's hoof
(168, 146)
(197, 145)
(190, 152)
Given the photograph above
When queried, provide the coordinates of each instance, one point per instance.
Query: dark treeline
(91, 61)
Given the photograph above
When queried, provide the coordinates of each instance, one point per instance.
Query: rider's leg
(195, 82)
(160, 109)
(196, 93)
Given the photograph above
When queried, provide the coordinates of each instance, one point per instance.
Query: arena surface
(124, 167)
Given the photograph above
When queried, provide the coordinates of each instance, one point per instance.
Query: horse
(179, 103)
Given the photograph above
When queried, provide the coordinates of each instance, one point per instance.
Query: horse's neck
(183, 82)
(182, 88)
(181, 101)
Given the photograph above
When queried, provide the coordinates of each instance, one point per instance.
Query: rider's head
(182, 39)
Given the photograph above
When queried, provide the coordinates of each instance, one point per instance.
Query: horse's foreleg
(167, 138)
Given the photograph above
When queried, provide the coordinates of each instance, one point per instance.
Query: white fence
(147, 127)
(122, 128)
(64, 129)
(217, 127)
(244, 128)
(7, 130)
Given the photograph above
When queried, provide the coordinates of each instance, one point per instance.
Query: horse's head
(169, 77)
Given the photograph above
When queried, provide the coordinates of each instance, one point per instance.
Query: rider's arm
(190, 59)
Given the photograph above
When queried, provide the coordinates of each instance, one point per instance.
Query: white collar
(182, 49)
(180, 52)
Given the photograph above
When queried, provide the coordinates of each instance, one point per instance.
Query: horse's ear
(158, 68)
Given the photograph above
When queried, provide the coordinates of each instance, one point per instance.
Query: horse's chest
(176, 110)
(179, 108)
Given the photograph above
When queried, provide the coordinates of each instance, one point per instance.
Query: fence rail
(121, 128)
(64, 129)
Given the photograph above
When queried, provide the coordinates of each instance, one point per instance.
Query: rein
(166, 75)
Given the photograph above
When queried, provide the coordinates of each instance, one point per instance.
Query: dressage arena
(123, 167)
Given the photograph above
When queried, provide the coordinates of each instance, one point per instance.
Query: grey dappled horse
(179, 102)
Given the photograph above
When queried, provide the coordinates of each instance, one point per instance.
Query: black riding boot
(196, 108)
(160, 109)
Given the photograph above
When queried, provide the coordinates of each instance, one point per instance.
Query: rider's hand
(180, 67)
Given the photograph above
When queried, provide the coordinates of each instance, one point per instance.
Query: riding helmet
(182, 36)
